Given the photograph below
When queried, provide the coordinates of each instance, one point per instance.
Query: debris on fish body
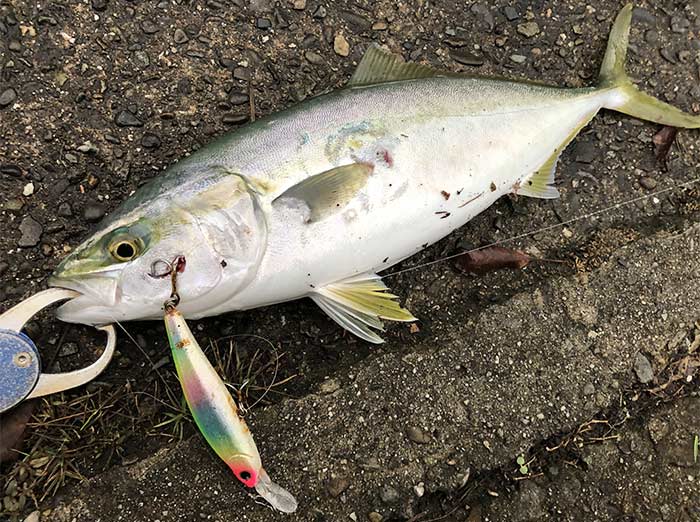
(316, 200)
(216, 414)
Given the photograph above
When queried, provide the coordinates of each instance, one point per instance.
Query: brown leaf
(490, 259)
(662, 142)
(12, 425)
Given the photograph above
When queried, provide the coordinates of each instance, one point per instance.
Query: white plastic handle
(17, 316)
(49, 383)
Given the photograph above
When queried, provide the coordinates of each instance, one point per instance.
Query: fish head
(213, 235)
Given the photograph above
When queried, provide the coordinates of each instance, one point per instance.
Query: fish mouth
(90, 307)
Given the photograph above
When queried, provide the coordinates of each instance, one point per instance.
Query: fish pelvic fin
(625, 97)
(359, 304)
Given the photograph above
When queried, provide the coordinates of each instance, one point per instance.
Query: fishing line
(274, 376)
(550, 227)
(150, 361)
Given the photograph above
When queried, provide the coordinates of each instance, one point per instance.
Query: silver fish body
(317, 199)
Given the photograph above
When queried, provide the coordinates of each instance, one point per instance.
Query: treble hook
(172, 268)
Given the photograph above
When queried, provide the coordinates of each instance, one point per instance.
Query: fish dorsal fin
(359, 303)
(329, 191)
(380, 66)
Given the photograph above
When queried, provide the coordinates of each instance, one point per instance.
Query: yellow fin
(631, 100)
(359, 303)
(329, 191)
(380, 66)
(541, 183)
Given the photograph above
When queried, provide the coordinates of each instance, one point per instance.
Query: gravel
(31, 231)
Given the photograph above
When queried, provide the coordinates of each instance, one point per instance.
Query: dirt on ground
(564, 391)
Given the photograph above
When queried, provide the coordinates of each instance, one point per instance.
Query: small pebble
(238, 98)
(263, 23)
(68, 349)
(31, 231)
(643, 369)
(589, 389)
(7, 97)
(64, 210)
(299, 5)
(375, 517)
(388, 494)
(180, 36)
(483, 12)
(529, 29)
(241, 73)
(314, 58)
(28, 189)
(518, 58)
(232, 118)
(679, 24)
(648, 183)
(329, 386)
(341, 45)
(149, 27)
(127, 119)
(150, 141)
(93, 212)
(466, 57)
(417, 435)
(11, 170)
(511, 13)
(13, 205)
(419, 489)
(337, 485)
(99, 5)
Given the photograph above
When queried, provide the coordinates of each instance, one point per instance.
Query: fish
(315, 201)
(216, 414)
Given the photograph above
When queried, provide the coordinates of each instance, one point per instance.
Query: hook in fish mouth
(161, 268)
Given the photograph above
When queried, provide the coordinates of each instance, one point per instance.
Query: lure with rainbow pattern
(216, 414)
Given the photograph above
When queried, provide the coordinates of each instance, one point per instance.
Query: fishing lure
(217, 415)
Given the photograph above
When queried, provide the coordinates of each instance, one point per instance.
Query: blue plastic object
(19, 368)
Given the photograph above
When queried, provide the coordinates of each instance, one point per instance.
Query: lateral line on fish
(550, 227)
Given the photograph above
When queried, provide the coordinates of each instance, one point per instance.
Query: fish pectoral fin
(328, 192)
(359, 304)
(380, 66)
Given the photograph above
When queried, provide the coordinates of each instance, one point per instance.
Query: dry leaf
(662, 142)
(490, 259)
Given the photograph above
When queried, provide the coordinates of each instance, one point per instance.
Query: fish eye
(245, 475)
(124, 250)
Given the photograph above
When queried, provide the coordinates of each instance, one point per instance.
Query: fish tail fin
(625, 97)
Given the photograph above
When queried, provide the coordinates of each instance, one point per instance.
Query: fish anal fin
(359, 304)
(380, 66)
(329, 191)
(541, 183)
